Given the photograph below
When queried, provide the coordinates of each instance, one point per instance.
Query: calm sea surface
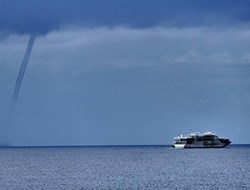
(148, 167)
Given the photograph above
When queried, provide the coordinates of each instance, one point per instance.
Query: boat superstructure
(198, 140)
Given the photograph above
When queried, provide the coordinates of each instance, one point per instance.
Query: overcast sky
(117, 72)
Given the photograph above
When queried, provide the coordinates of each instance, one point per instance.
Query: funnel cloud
(23, 68)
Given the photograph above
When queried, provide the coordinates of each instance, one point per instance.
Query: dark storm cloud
(42, 16)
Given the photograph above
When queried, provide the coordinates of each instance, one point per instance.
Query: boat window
(208, 137)
(200, 139)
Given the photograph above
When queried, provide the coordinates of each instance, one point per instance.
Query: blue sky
(124, 72)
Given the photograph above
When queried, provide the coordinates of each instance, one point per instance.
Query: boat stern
(179, 145)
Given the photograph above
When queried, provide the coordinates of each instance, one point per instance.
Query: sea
(124, 167)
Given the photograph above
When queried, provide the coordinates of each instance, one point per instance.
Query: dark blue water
(147, 167)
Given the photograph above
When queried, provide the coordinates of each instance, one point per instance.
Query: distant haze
(120, 72)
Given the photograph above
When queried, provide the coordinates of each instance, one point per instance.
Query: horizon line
(93, 146)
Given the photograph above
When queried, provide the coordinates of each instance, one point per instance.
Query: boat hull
(179, 146)
(206, 146)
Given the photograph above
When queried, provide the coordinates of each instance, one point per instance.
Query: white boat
(198, 140)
